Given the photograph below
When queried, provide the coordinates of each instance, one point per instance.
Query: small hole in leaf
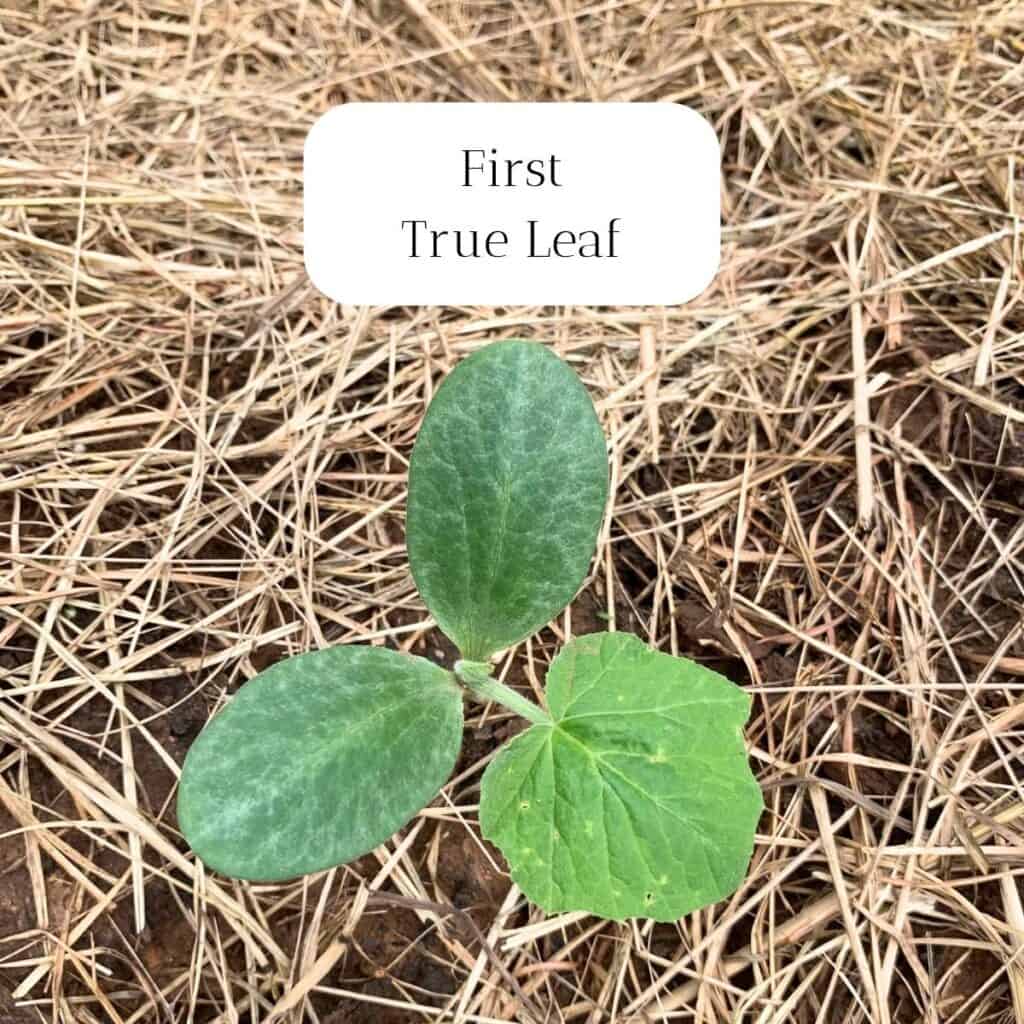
(648, 898)
(524, 805)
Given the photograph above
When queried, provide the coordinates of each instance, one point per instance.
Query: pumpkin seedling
(629, 795)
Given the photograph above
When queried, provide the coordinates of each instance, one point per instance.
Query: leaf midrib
(334, 743)
(598, 760)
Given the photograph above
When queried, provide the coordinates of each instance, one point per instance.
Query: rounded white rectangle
(609, 204)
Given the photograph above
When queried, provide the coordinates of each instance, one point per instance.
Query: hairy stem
(476, 677)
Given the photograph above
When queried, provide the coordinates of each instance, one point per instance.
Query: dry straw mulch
(817, 488)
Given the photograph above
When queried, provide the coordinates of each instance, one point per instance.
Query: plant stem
(475, 676)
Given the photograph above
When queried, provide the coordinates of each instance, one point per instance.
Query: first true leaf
(507, 487)
(636, 799)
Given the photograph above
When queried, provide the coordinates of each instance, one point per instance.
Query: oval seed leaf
(637, 801)
(318, 760)
(507, 487)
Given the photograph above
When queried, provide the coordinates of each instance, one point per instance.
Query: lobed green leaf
(507, 487)
(638, 799)
(318, 760)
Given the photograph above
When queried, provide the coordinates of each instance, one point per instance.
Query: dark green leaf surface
(318, 760)
(507, 487)
(638, 801)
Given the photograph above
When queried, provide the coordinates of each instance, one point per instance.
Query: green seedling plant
(629, 794)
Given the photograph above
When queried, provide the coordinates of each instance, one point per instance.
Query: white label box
(496, 204)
